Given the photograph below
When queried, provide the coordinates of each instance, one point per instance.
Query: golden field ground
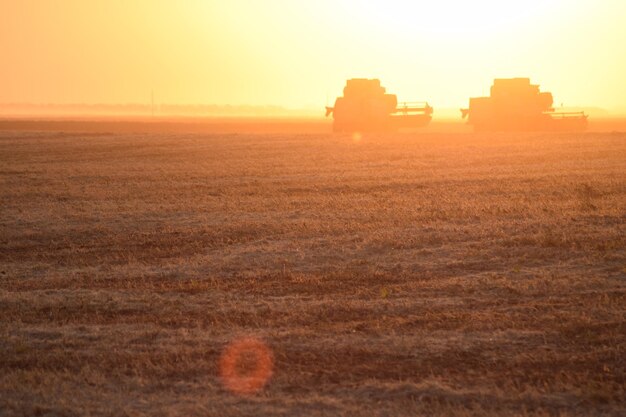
(391, 275)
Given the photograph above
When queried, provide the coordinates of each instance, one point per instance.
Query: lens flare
(246, 365)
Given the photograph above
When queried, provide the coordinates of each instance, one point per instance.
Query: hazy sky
(297, 53)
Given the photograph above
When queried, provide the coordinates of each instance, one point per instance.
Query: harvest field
(392, 275)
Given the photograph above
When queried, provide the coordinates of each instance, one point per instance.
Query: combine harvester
(517, 105)
(365, 107)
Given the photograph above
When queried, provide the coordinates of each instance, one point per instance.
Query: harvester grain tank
(517, 105)
(366, 107)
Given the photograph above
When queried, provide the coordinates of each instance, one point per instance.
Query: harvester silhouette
(517, 105)
(366, 107)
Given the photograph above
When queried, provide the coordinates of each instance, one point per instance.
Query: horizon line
(266, 107)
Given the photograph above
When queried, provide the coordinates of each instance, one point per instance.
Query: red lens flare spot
(246, 365)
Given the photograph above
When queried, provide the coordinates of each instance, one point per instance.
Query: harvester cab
(366, 107)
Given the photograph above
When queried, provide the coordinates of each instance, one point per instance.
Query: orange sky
(296, 53)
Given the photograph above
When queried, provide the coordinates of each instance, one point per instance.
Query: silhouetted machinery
(365, 107)
(517, 105)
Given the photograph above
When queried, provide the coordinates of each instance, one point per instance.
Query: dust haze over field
(386, 274)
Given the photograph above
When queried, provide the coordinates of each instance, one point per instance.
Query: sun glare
(453, 17)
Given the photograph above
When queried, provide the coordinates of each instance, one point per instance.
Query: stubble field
(389, 275)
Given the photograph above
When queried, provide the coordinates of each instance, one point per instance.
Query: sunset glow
(312, 207)
(299, 53)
